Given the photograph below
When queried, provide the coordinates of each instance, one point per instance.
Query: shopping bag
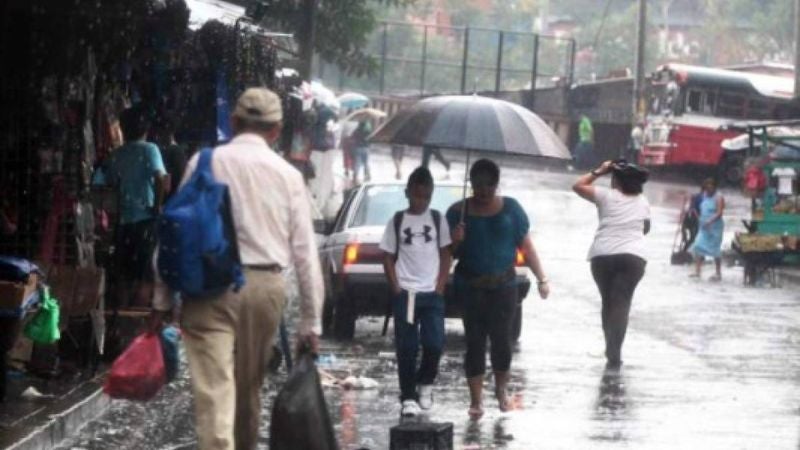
(138, 373)
(170, 346)
(300, 418)
(43, 328)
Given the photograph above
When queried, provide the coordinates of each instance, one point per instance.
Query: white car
(352, 262)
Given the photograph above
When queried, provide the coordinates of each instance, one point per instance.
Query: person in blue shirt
(138, 172)
(487, 230)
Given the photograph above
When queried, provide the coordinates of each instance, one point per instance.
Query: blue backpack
(198, 252)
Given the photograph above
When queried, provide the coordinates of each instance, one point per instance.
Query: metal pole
(307, 38)
(534, 70)
(424, 60)
(572, 50)
(498, 74)
(464, 61)
(638, 77)
(383, 57)
(797, 49)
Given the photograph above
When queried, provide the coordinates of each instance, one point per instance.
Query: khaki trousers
(228, 342)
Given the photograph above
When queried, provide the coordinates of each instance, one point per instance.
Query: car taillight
(351, 254)
(358, 253)
(520, 261)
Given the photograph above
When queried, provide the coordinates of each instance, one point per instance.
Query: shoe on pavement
(425, 396)
(410, 408)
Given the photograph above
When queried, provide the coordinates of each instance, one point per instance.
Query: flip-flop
(475, 413)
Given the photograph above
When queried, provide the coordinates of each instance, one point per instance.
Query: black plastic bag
(300, 418)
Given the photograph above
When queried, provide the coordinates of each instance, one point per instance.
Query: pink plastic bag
(138, 373)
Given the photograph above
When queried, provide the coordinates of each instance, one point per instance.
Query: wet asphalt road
(707, 365)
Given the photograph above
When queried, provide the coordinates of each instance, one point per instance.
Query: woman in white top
(617, 254)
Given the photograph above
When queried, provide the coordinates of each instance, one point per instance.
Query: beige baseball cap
(260, 105)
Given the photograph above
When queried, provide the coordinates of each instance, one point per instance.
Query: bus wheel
(731, 170)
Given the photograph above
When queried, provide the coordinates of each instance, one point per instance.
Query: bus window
(758, 109)
(693, 101)
(730, 105)
(709, 103)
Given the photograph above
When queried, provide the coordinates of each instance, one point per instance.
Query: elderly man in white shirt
(228, 338)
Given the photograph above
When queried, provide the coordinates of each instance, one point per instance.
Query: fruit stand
(771, 181)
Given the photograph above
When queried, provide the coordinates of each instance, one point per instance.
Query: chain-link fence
(417, 58)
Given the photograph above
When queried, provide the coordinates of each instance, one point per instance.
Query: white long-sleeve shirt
(272, 217)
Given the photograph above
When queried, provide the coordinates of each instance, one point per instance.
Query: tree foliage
(342, 30)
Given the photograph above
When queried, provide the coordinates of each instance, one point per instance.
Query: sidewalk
(55, 408)
(41, 423)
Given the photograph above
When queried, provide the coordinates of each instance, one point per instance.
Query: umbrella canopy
(369, 113)
(324, 95)
(472, 122)
(351, 100)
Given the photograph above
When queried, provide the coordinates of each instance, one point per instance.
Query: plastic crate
(421, 436)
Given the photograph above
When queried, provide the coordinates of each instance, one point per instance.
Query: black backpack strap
(397, 220)
(437, 224)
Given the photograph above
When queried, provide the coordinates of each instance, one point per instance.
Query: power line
(602, 23)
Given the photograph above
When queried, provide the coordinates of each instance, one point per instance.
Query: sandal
(475, 413)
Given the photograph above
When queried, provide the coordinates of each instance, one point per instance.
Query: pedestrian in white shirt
(417, 264)
(228, 338)
(617, 254)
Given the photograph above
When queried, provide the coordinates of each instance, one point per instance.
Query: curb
(62, 419)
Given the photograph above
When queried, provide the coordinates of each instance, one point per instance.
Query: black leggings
(487, 313)
(616, 277)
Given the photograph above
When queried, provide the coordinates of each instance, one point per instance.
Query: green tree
(342, 30)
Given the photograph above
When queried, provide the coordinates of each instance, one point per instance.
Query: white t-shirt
(621, 227)
(786, 176)
(417, 265)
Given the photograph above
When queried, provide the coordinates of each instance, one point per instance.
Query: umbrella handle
(464, 190)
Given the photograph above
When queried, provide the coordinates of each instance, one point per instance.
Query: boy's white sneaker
(425, 392)
(410, 408)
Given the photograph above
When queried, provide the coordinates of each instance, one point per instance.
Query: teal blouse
(490, 244)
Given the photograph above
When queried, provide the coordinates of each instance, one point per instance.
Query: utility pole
(306, 37)
(638, 76)
(797, 49)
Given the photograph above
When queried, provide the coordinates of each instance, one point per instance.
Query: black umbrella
(472, 123)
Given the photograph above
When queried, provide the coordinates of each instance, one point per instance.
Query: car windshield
(379, 203)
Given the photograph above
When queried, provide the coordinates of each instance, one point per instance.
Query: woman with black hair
(487, 231)
(617, 254)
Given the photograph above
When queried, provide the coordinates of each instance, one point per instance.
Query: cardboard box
(20, 353)
(13, 295)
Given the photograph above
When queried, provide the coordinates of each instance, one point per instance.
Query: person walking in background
(485, 242)
(398, 152)
(436, 152)
(709, 236)
(417, 265)
(228, 337)
(617, 255)
(138, 172)
(323, 155)
(361, 149)
(691, 221)
(584, 150)
(172, 153)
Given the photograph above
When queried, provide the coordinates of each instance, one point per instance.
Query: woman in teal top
(709, 237)
(485, 243)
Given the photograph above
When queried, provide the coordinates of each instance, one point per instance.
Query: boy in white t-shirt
(417, 263)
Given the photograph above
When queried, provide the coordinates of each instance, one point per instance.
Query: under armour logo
(426, 233)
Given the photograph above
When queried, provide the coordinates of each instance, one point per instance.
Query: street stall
(73, 68)
(771, 181)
